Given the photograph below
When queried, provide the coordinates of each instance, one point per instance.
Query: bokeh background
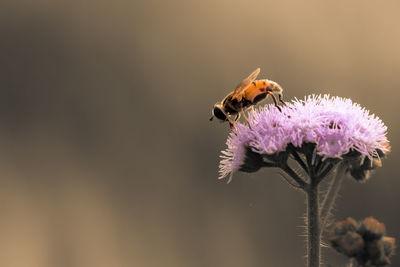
(106, 152)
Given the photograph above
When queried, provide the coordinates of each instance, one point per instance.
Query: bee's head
(218, 112)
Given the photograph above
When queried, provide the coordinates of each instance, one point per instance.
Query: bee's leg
(237, 117)
(245, 118)
(281, 100)
(232, 123)
(232, 126)
(275, 102)
(252, 110)
(230, 120)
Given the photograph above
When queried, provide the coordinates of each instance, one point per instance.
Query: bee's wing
(245, 83)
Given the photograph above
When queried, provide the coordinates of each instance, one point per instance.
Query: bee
(248, 93)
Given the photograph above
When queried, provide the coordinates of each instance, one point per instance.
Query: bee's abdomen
(256, 91)
(259, 97)
(261, 84)
(267, 85)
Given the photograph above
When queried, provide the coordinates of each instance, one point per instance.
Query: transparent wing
(245, 83)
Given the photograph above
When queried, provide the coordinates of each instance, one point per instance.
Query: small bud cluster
(365, 241)
(360, 168)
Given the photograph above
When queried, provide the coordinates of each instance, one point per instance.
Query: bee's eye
(219, 113)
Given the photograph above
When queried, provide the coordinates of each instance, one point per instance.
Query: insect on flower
(248, 93)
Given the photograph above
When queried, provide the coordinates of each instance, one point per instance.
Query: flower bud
(364, 241)
(371, 229)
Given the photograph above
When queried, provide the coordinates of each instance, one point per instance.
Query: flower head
(336, 126)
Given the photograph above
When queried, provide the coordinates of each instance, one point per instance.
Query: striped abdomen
(258, 89)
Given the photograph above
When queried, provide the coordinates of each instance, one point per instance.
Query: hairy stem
(314, 234)
(294, 175)
(331, 195)
(352, 263)
(326, 171)
(297, 157)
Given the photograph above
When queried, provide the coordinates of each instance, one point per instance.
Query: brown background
(106, 152)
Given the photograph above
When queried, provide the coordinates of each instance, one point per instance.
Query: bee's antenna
(212, 117)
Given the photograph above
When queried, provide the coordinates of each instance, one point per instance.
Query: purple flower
(232, 158)
(336, 126)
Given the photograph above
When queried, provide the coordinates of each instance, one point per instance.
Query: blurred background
(106, 151)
